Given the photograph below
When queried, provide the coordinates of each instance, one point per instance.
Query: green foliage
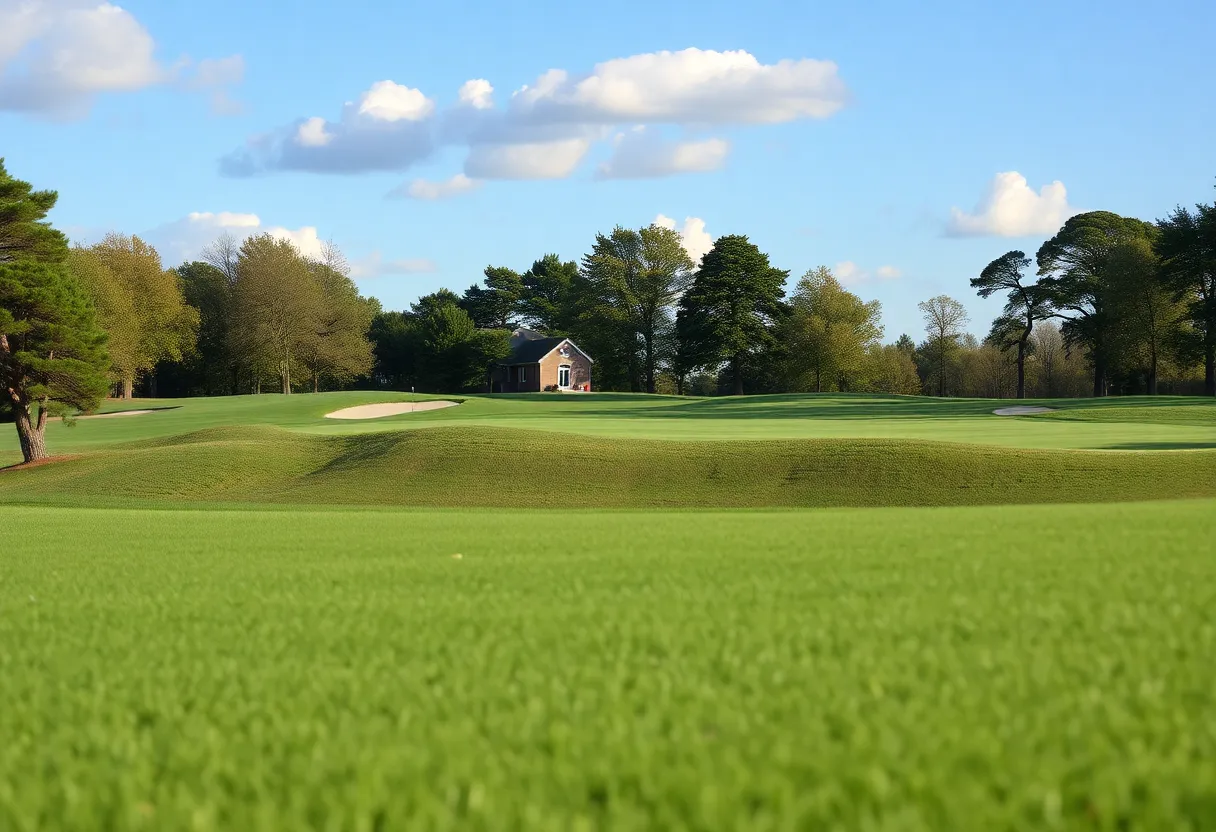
(944, 320)
(435, 347)
(726, 314)
(277, 307)
(1026, 304)
(545, 303)
(24, 231)
(494, 305)
(1186, 246)
(635, 278)
(829, 335)
(210, 368)
(139, 303)
(1075, 265)
(892, 669)
(52, 353)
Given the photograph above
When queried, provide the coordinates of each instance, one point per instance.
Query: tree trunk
(31, 432)
(818, 380)
(1209, 371)
(316, 383)
(737, 368)
(648, 338)
(941, 374)
(1022, 369)
(1152, 370)
(128, 387)
(1099, 378)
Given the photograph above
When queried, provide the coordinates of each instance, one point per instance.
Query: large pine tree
(52, 354)
(726, 313)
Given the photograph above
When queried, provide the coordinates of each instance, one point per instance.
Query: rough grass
(894, 669)
(489, 467)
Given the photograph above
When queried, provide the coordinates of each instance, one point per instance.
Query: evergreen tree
(726, 314)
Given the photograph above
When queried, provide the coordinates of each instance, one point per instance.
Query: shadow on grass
(134, 410)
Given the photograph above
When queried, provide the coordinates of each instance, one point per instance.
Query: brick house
(538, 363)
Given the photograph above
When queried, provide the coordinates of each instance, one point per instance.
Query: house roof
(531, 352)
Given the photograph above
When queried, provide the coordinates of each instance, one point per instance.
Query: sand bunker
(1022, 410)
(376, 411)
(116, 413)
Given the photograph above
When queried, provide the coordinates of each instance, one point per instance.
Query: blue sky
(932, 146)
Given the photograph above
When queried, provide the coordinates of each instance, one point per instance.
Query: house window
(522, 374)
(563, 375)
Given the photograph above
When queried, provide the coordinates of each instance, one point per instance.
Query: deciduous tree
(1075, 270)
(153, 322)
(944, 318)
(277, 307)
(830, 332)
(640, 275)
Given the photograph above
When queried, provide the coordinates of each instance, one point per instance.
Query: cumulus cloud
(1011, 208)
(544, 129)
(424, 189)
(375, 265)
(692, 86)
(541, 160)
(183, 240)
(642, 153)
(851, 274)
(56, 56)
(387, 128)
(478, 94)
(697, 241)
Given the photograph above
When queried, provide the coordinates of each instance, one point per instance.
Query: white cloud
(542, 160)
(1011, 208)
(477, 93)
(387, 101)
(183, 240)
(697, 241)
(851, 274)
(643, 153)
(57, 55)
(215, 75)
(692, 86)
(312, 133)
(374, 265)
(545, 129)
(424, 189)
(388, 128)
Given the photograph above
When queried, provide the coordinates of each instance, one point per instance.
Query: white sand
(116, 413)
(375, 411)
(1021, 410)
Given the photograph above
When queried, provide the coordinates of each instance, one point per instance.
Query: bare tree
(224, 254)
(944, 320)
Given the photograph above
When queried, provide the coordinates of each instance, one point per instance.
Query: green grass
(478, 466)
(968, 421)
(893, 669)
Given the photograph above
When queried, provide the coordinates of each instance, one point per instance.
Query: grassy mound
(473, 466)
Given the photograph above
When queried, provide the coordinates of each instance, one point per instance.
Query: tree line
(1115, 304)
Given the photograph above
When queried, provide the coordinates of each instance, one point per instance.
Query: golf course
(611, 610)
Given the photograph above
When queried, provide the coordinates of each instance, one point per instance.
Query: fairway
(613, 611)
(899, 669)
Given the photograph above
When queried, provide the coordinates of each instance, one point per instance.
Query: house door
(563, 376)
